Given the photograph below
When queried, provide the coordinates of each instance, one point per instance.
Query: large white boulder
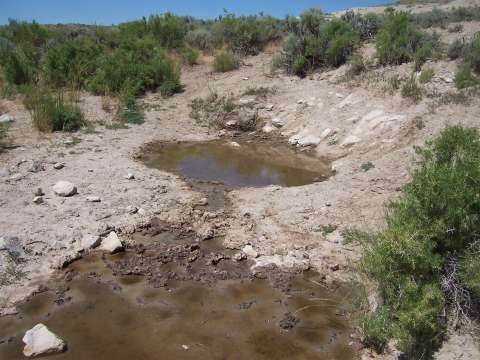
(40, 341)
(64, 188)
(111, 243)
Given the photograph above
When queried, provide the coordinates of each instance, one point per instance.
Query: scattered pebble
(64, 189)
(38, 200)
(130, 176)
(59, 165)
(93, 199)
(132, 209)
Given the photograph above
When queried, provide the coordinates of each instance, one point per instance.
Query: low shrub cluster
(468, 72)
(225, 61)
(442, 18)
(50, 111)
(399, 41)
(315, 42)
(426, 261)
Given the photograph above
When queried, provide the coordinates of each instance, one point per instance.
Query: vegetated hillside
(425, 261)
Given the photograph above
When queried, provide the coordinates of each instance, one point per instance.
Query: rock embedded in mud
(239, 256)
(267, 129)
(130, 176)
(64, 189)
(59, 166)
(250, 251)
(111, 243)
(38, 200)
(350, 140)
(93, 199)
(309, 140)
(277, 122)
(131, 209)
(41, 341)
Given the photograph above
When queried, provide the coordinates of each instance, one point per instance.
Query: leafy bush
(51, 113)
(441, 18)
(426, 75)
(139, 65)
(70, 61)
(246, 35)
(316, 43)
(465, 78)
(366, 25)
(434, 221)
(201, 39)
(398, 41)
(411, 89)
(471, 53)
(356, 66)
(190, 55)
(225, 61)
(455, 49)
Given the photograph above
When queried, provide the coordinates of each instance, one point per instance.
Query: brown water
(250, 164)
(124, 318)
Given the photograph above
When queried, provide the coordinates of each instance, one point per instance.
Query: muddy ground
(358, 123)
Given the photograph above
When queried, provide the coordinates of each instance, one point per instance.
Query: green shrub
(376, 329)
(471, 53)
(225, 61)
(458, 28)
(51, 113)
(140, 65)
(455, 49)
(465, 78)
(411, 89)
(190, 55)
(398, 41)
(70, 61)
(356, 66)
(426, 75)
(470, 269)
(434, 221)
(212, 110)
(365, 25)
(167, 29)
(201, 39)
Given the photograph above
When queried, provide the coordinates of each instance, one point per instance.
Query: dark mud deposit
(239, 163)
(171, 297)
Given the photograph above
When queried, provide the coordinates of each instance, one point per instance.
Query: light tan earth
(366, 122)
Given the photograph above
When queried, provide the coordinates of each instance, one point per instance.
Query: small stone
(4, 172)
(111, 243)
(239, 256)
(267, 129)
(59, 165)
(36, 167)
(39, 192)
(269, 107)
(130, 176)
(186, 347)
(202, 202)
(250, 251)
(6, 119)
(64, 189)
(40, 341)
(132, 209)
(93, 199)
(277, 122)
(38, 200)
(309, 140)
(89, 242)
(350, 140)
(234, 144)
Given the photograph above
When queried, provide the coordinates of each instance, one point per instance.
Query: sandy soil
(366, 124)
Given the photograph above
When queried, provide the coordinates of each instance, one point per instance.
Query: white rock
(132, 209)
(111, 243)
(38, 200)
(6, 119)
(239, 256)
(267, 129)
(129, 176)
(64, 188)
(309, 140)
(231, 123)
(234, 144)
(278, 122)
(93, 199)
(4, 172)
(282, 261)
(89, 242)
(40, 340)
(59, 165)
(250, 251)
(350, 140)
(269, 107)
(326, 133)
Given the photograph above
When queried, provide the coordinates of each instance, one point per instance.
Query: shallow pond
(106, 315)
(241, 163)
